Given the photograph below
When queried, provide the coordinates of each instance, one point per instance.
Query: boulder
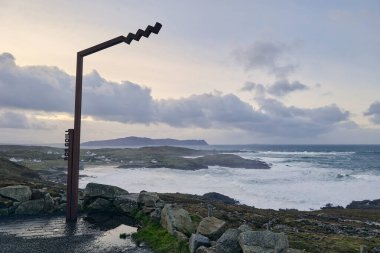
(211, 227)
(30, 207)
(126, 203)
(103, 191)
(148, 199)
(197, 240)
(38, 194)
(174, 218)
(364, 204)
(203, 249)
(4, 211)
(244, 228)
(100, 204)
(5, 202)
(229, 242)
(263, 241)
(16, 192)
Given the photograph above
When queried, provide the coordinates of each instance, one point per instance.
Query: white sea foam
(297, 185)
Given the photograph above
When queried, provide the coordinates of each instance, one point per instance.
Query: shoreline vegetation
(331, 229)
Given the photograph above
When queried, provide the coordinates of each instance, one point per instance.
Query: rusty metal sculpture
(73, 135)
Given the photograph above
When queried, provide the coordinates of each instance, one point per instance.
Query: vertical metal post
(72, 184)
(69, 157)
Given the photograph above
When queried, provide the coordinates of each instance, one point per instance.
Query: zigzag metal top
(130, 37)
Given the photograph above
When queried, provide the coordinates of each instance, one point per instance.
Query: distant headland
(143, 141)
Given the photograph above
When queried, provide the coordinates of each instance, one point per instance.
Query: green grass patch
(157, 238)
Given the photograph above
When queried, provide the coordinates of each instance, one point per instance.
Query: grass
(157, 238)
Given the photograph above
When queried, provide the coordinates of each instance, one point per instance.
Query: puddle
(112, 237)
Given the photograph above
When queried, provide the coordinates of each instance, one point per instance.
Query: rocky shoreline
(214, 222)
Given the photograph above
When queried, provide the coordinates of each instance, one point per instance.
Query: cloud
(283, 87)
(266, 55)
(19, 121)
(374, 112)
(279, 88)
(49, 89)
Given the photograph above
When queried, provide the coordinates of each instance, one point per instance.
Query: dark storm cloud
(266, 55)
(50, 89)
(374, 112)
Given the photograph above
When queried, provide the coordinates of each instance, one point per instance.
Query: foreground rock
(198, 240)
(176, 221)
(229, 242)
(263, 241)
(211, 227)
(17, 192)
(104, 191)
(31, 207)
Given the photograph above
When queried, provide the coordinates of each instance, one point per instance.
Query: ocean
(304, 177)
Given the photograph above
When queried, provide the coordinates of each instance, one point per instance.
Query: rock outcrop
(211, 227)
(229, 242)
(104, 191)
(17, 192)
(176, 220)
(263, 241)
(198, 240)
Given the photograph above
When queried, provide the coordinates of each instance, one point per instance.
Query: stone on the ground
(244, 228)
(197, 240)
(104, 191)
(4, 211)
(254, 241)
(30, 207)
(38, 194)
(100, 204)
(49, 203)
(126, 203)
(174, 218)
(16, 192)
(229, 242)
(211, 227)
(203, 249)
(5, 202)
(148, 199)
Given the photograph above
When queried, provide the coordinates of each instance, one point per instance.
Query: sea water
(304, 177)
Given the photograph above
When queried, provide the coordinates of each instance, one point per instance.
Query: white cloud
(51, 90)
(374, 112)
(268, 56)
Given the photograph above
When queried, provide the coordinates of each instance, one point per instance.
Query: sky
(228, 72)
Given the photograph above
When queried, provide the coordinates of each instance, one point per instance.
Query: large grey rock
(31, 207)
(104, 191)
(263, 241)
(38, 194)
(148, 199)
(203, 249)
(197, 240)
(16, 192)
(126, 203)
(229, 242)
(211, 227)
(174, 218)
(100, 204)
